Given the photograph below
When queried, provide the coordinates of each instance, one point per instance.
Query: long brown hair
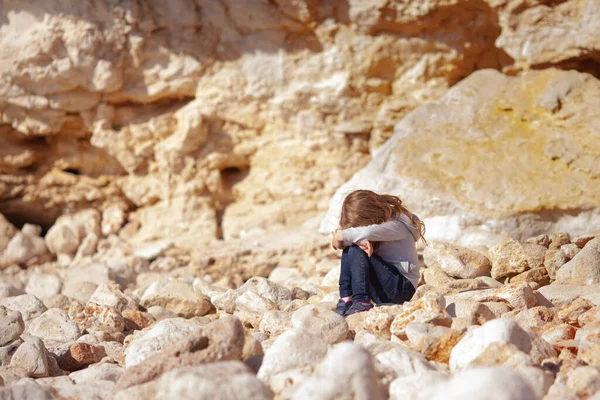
(364, 207)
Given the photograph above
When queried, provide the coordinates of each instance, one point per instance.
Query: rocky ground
(91, 319)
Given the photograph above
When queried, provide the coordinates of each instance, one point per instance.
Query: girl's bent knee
(355, 251)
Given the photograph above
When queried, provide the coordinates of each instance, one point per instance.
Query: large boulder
(495, 157)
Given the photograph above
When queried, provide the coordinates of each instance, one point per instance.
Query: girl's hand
(337, 242)
(366, 246)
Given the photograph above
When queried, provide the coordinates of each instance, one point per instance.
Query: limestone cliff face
(209, 119)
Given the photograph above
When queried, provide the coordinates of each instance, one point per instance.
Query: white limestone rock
(411, 386)
(178, 296)
(28, 305)
(279, 295)
(158, 337)
(456, 261)
(227, 380)
(481, 384)
(32, 357)
(584, 268)
(54, 326)
(11, 325)
(43, 286)
(417, 331)
(24, 248)
(477, 339)
(69, 230)
(402, 361)
(321, 321)
(347, 372)
(79, 290)
(110, 295)
(97, 372)
(293, 349)
(274, 323)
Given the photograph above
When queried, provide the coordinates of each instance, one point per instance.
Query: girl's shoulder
(406, 223)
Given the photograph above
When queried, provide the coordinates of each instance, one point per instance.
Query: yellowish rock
(589, 343)
(456, 261)
(584, 381)
(584, 268)
(548, 115)
(591, 315)
(539, 276)
(95, 317)
(501, 354)
(516, 295)
(531, 38)
(434, 276)
(571, 313)
(553, 260)
(511, 257)
(558, 333)
(177, 296)
(477, 313)
(379, 320)
(536, 318)
(439, 349)
(557, 240)
(429, 309)
(321, 321)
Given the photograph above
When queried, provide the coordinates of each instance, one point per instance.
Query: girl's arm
(337, 243)
(386, 232)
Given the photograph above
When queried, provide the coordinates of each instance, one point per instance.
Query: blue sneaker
(358, 307)
(343, 306)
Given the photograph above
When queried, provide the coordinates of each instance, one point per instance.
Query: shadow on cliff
(469, 28)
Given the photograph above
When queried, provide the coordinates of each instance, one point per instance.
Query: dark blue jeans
(372, 278)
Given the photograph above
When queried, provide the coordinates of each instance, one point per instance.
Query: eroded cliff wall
(209, 119)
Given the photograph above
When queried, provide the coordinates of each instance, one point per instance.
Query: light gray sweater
(397, 247)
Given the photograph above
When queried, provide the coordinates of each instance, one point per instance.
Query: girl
(379, 259)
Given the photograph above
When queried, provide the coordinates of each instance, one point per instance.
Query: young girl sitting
(379, 259)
